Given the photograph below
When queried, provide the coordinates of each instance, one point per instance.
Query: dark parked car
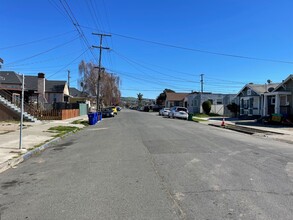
(107, 112)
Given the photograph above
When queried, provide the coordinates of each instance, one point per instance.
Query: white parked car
(164, 111)
(178, 112)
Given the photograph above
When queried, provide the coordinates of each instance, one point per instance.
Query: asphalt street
(141, 166)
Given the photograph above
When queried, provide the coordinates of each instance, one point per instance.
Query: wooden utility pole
(201, 83)
(99, 68)
(68, 80)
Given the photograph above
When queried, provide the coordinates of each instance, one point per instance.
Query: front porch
(277, 103)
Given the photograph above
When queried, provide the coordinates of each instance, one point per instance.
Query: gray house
(219, 102)
(280, 100)
(255, 100)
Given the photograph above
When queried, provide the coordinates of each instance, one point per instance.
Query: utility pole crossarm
(100, 47)
(104, 35)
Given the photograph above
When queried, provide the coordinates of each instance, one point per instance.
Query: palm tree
(139, 98)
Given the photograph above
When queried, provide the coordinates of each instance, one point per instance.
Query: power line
(200, 50)
(204, 51)
(75, 23)
(43, 52)
(35, 41)
(69, 63)
(55, 5)
(132, 61)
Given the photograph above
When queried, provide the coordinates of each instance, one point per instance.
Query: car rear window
(182, 109)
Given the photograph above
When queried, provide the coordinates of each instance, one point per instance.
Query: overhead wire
(43, 52)
(148, 68)
(57, 7)
(69, 63)
(203, 51)
(36, 41)
(157, 80)
(75, 23)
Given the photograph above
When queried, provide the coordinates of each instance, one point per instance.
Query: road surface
(141, 166)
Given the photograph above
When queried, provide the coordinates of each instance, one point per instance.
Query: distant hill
(133, 100)
(128, 99)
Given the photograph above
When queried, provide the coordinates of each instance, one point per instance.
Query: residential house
(219, 102)
(37, 90)
(255, 99)
(175, 99)
(10, 86)
(280, 100)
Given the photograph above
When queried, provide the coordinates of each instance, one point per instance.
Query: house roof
(76, 93)
(172, 96)
(10, 77)
(55, 86)
(31, 82)
(259, 88)
(290, 77)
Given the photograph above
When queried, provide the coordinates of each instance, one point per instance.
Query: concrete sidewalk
(34, 134)
(285, 132)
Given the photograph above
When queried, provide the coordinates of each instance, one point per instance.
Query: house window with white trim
(248, 91)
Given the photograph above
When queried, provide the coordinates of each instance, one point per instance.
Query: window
(283, 100)
(248, 91)
(219, 101)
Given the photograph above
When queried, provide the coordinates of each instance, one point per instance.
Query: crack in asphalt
(236, 190)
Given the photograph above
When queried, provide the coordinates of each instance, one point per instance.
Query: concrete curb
(13, 162)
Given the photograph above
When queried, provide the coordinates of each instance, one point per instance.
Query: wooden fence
(57, 114)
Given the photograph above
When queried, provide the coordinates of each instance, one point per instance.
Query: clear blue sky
(154, 44)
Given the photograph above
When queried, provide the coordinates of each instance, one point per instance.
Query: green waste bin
(190, 117)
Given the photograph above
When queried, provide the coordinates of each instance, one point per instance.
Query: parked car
(118, 108)
(156, 108)
(146, 108)
(178, 112)
(114, 109)
(107, 112)
(164, 111)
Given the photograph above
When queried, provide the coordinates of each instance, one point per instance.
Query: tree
(234, 108)
(89, 77)
(162, 97)
(139, 99)
(109, 83)
(207, 106)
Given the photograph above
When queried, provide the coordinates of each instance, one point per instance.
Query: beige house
(175, 99)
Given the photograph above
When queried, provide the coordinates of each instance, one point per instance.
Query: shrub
(207, 105)
(234, 108)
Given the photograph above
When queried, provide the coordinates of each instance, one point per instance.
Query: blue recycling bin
(101, 116)
(91, 117)
(96, 117)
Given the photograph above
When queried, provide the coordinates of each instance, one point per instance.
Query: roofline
(285, 81)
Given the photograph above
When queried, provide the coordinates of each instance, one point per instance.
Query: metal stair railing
(7, 100)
